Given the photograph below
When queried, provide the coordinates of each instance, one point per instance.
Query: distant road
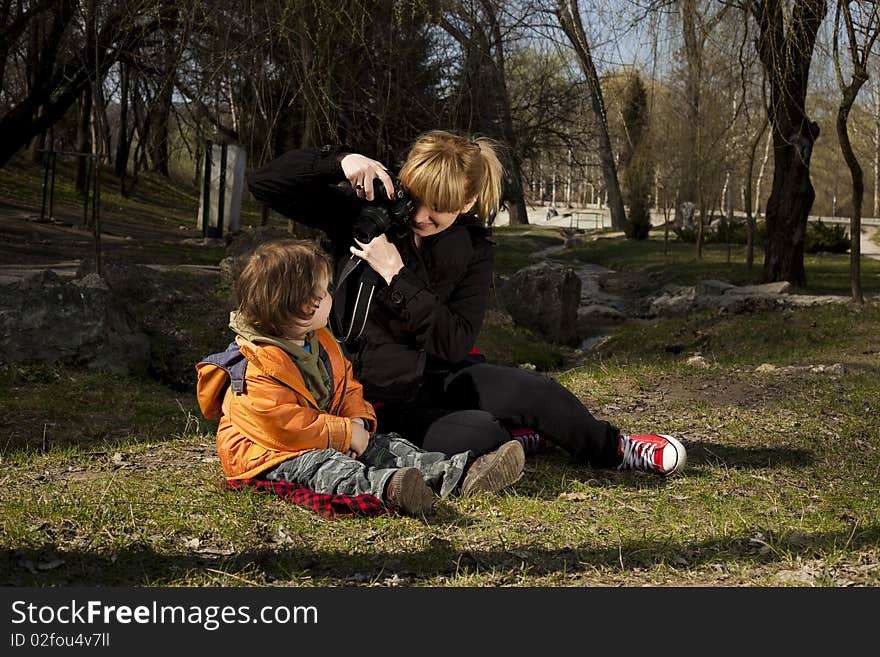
(601, 218)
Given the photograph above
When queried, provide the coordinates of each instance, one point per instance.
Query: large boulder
(44, 318)
(180, 310)
(544, 298)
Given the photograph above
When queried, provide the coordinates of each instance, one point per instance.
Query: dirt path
(28, 245)
(869, 248)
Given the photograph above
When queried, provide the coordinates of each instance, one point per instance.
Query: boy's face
(321, 306)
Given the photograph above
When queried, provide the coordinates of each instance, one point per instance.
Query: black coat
(421, 326)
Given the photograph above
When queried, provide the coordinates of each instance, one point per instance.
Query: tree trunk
(788, 207)
(160, 108)
(877, 150)
(859, 75)
(62, 83)
(516, 210)
(570, 21)
(858, 192)
(102, 124)
(690, 185)
(83, 140)
(159, 115)
(747, 196)
(123, 141)
(33, 77)
(759, 183)
(786, 55)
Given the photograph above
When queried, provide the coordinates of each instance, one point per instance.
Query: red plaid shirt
(329, 506)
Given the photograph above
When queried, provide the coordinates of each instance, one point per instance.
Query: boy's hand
(360, 438)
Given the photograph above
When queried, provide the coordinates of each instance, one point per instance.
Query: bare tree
(697, 23)
(568, 14)
(750, 218)
(66, 65)
(785, 46)
(876, 212)
(862, 27)
(483, 101)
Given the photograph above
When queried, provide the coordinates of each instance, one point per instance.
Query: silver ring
(360, 187)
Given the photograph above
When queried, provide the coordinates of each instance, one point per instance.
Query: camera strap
(356, 319)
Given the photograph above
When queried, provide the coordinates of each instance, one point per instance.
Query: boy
(290, 409)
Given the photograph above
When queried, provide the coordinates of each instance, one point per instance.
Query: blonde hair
(279, 282)
(444, 171)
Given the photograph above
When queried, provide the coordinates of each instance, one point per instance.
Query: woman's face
(426, 221)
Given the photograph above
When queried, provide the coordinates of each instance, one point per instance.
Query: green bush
(830, 238)
(723, 232)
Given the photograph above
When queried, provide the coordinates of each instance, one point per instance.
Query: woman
(428, 299)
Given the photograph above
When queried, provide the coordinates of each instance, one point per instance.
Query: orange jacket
(275, 417)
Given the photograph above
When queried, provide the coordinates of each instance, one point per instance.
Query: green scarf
(309, 361)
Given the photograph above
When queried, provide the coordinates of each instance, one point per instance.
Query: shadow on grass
(549, 475)
(741, 458)
(138, 565)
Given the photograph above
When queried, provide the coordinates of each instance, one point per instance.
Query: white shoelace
(637, 455)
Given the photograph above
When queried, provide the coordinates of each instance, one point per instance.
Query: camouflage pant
(329, 471)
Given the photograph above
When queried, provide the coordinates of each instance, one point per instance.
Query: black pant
(471, 408)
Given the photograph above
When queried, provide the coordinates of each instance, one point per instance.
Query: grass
(154, 199)
(826, 274)
(115, 481)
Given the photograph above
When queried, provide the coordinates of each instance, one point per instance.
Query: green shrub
(830, 238)
(723, 232)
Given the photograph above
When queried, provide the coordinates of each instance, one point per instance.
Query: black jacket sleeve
(303, 185)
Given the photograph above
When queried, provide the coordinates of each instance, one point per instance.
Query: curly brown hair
(280, 284)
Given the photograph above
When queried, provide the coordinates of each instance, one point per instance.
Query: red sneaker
(651, 453)
(532, 441)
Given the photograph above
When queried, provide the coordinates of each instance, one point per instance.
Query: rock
(203, 241)
(677, 301)
(91, 280)
(544, 298)
(836, 369)
(81, 322)
(779, 287)
(713, 287)
(596, 314)
(742, 303)
(698, 361)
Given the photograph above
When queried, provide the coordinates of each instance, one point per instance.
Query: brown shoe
(495, 470)
(408, 493)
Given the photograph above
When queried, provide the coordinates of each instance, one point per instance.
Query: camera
(384, 215)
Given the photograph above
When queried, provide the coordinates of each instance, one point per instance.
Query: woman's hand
(381, 255)
(361, 171)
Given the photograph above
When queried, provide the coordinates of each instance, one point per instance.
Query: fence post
(45, 184)
(222, 191)
(53, 156)
(96, 220)
(206, 188)
(96, 170)
(86, 189)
